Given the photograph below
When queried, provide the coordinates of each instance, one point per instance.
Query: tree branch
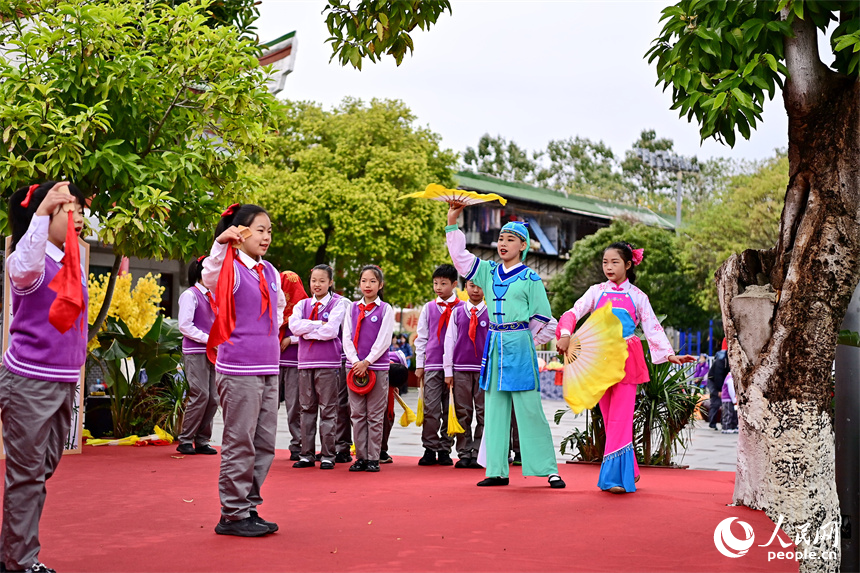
(154, 135)
(807, 75)
(96, 326)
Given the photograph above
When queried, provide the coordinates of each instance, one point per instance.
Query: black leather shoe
(372, 466)
(247, 527)
(342, 458)
(463, 463)
(473, 463)
(270, 525)
(444, 459)
(186, 449)
(428, 459)
(358, 466)
(206, 450)
(326, 465)
(493, 481)
(294, 457)
(555, 482)
(303, 463)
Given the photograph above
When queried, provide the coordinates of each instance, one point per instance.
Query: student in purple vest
(250, 309)
(367, 330)
(196, 315)
(464, 351)
(429, 344)
(398, 375)
(294, 292)
(41, 367)
(317, 322)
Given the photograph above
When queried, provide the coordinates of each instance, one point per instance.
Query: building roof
(572, 203)
(279, 53)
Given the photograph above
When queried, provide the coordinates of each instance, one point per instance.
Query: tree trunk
(96, 326)
(782, 310)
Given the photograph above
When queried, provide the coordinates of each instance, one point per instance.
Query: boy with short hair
(429, 346)
(464, 351)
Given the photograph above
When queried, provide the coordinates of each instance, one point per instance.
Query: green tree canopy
(332, 183)
(745, 215)
(660, 275)
(501, 158)
(146, 106)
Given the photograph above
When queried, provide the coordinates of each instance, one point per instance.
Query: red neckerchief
(361, 310)
(68, 306)
(446, 316)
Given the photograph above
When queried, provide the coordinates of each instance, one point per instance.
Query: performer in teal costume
(520, 318)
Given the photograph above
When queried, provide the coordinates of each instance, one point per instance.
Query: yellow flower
(138, 307)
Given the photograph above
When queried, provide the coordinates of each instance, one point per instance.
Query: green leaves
(150, 107)
(373, 28)
(331, 185)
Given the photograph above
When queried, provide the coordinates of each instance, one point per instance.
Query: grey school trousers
(36, 417)
(434, 432)
(249, 405)
(344, 437)
(368, 413)
(202, 400)
(318, 393)
(289, 380)
(469, 401)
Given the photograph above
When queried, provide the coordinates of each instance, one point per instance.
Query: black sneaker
(39, 568)
(294, 456)
(493, 481)
(384, 458)
(358, 466)
(428, 459)
(270, 525)
(342, 458)
(186, 449)
(473, 463)
(445, 459)
(206, 450)
(326, 465)
(372, 466)
(463, 463)
(304, 463)
(247, 527)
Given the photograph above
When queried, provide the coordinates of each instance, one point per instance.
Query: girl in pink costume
(619, 471)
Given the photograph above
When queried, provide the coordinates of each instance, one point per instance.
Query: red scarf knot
(446, 315)
(362, 308)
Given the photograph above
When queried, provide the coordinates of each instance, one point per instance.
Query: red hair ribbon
(638, 254)
(26, 202)
(230, 210)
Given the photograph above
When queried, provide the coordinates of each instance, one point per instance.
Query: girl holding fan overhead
(367, 330)
(619, 471)
(245, 332)
(42, 367)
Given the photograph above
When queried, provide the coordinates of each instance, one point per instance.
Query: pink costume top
(631, 305)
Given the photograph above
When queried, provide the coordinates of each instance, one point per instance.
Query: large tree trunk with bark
(782, 308)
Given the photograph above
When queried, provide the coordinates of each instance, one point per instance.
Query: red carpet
(140, 509)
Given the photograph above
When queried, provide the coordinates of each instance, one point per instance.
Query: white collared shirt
(187, 307)
(26, 264)
(383, 338)
(423, 329)
(212, 268)
(451, 337)
(324, 328)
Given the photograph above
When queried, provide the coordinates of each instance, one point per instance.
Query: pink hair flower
(638, 254)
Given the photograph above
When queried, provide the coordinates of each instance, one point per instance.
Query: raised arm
(26, 265)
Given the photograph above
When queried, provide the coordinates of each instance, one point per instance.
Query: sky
(530, 71)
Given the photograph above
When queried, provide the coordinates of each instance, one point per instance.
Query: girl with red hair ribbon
(619, 471)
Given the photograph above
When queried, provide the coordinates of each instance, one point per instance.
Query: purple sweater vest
(320, 353)
(37, 349)
(368, 335)
(254, 350)
(203, 319)
(465, 358)
(290, 356)
(435, 344)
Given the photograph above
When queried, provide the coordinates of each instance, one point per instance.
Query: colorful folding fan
(436, 192)
(594, 360)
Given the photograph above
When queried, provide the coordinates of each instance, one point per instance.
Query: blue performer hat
(519, 229)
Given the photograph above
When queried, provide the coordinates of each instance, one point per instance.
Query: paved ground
(709, 449)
